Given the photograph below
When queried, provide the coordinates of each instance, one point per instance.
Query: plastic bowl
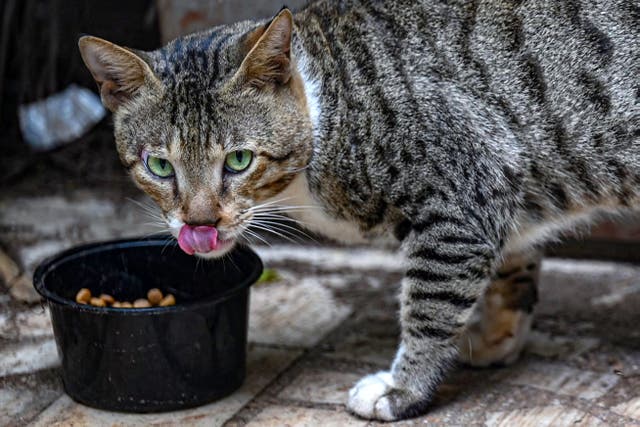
(149, 359)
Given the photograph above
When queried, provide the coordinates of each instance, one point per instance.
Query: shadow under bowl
(149, 359)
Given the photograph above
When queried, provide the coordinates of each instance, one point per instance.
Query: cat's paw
(368, 398)
(377, 397)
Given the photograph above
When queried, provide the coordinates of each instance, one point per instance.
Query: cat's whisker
(285, 209)
(279, 206)
(272, 202)
(148, 207)
(276, 204)
(166, 245)
(227, 256)
(255, 235)
(287, 235)
(275, 225)
(154, 234)
(281, 217)
(156, 224)
(297, 170)
(149, 210)
(278, 234)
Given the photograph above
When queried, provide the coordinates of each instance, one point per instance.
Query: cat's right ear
(119, 72)
(268, 61)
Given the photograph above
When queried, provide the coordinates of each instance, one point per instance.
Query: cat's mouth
(224, 246)
(203, 241)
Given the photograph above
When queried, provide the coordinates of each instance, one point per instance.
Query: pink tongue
(201, 238)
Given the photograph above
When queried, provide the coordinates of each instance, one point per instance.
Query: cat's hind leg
(497, 330)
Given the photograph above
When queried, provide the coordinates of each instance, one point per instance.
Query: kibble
(167, 301)
(97, 302)
(155, 296)
(107, 299)
(83, 296)
(141, 303)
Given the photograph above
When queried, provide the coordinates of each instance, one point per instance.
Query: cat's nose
(202, 208)
(204, 221)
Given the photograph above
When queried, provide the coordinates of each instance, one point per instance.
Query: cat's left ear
(119, 72)
(269, 59)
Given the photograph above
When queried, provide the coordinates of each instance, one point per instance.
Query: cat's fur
(462, 131)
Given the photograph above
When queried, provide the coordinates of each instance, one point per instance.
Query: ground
(328, 321)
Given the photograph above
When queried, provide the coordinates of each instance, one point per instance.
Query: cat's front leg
(448, 270)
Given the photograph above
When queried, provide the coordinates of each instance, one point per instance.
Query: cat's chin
(224, 246)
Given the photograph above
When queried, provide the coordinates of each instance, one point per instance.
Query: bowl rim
(51, 263)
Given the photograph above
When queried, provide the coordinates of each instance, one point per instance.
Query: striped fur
(462, 130)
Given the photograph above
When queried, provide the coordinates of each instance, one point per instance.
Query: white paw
(368, 397)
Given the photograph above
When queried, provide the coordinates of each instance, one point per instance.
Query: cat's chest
(313, 216)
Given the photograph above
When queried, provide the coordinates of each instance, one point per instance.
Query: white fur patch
(398, 357)
(367, 398)
(313, 215)
(311, 90)
(174, 226)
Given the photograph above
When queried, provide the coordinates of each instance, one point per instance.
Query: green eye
(237, 161)
(159, 167)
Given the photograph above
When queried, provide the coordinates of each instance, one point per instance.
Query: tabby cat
(461, 132)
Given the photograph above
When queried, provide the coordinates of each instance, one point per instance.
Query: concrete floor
(330, 320)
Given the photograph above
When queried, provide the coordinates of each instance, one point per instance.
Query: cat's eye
(237, 161)
(161, 168)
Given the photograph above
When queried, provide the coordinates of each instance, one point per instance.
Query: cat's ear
(119, 72)
(269, 58)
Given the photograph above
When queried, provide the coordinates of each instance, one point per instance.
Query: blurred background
(60, 179)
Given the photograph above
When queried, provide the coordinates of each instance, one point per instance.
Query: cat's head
(211, 126)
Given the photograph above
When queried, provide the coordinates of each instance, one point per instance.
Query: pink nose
(200, 238)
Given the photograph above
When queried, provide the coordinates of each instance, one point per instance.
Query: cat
(463, 133)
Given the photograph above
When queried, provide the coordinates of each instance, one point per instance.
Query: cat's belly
(531, 233)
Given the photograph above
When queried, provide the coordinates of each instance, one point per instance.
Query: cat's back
(553, 60)
(534, 61)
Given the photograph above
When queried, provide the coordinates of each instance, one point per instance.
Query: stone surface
(321, 386)
(290, 416)
(548, 345)
(21, 289)
(22, 397)
(565, 380)
(293, 313)
(359, 347)
(28, 356)
(31, 323)
(262, 366)
(548, 416)
(630, 409)
(9, 270)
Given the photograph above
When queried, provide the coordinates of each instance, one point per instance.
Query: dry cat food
(154, 298)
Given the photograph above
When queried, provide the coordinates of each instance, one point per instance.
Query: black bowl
(149, 359)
